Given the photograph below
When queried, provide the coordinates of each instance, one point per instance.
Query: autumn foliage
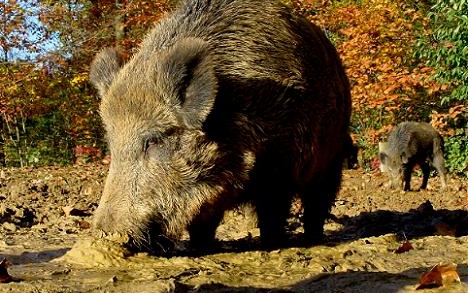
(376, 40)
(48, 110)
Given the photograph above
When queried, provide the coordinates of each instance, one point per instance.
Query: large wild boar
(411, 144)
(226, 101)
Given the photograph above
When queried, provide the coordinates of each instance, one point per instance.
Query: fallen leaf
(404, 247)
(439, 275)
(112, 279)
(72, 211)
(67, 210)
(84, 224)
(4, 276)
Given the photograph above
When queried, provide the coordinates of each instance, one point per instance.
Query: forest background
(406, 60)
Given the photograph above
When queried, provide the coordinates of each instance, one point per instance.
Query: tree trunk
(119, 21)
(2, 143)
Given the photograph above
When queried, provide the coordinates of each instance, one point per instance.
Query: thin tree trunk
(119, 21)
(2, 143)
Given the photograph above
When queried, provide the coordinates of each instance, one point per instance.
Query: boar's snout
(112, 214)
(121, 217)
(105, 218)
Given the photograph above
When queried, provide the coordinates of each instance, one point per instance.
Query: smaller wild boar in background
(408, 145)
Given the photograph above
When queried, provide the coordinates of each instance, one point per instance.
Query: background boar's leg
(407, 170)
(439, 163)
(426, 170)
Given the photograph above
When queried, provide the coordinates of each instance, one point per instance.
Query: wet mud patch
(55, 252)
(96, 252)
(363, 265)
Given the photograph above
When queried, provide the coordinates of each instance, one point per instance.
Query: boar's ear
(104, 67)
(404, 158)
(186, 72)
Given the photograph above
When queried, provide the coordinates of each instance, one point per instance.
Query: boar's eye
(159, 145)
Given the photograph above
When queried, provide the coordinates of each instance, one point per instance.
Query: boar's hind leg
(272, 193)
(439, 163)
(317, 199)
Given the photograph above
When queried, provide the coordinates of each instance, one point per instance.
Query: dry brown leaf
(4, 276)
(439, 275)
(67, 210)
(404, 247)
(84, 224)
(72, 211)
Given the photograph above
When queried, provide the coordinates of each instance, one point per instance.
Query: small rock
(9, 226)
(112, 279)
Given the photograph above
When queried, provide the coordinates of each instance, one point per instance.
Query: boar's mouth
(156, 244)
(152, 239)
(137, 232)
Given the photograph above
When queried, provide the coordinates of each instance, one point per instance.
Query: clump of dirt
(96, 252)
(45, 216)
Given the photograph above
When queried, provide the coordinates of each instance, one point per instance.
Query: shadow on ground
(420, 222)
(382, 282)
(416, 223)
(29, 257)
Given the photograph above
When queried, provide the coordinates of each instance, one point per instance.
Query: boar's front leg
(202, 229)
(407, 170)
(426, 170)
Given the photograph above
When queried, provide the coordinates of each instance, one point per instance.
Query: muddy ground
(45, 235)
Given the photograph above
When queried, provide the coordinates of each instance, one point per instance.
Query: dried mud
(45, 216)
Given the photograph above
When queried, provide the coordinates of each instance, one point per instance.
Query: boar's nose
(104, 219)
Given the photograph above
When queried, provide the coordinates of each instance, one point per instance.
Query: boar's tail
(438, 145)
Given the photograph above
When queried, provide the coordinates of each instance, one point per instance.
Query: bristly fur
(226, 101)
(410, 144)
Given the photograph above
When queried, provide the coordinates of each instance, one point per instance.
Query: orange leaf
(439, 275)
(4, 276)
(404, 247)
